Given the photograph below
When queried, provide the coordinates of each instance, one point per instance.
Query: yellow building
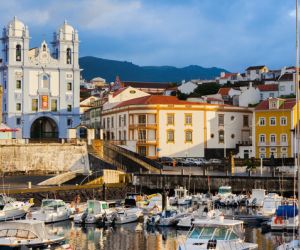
(275, 121)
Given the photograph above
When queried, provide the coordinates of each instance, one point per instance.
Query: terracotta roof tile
(155, 99)
(268, 87)
(223, 91)
(287, 104)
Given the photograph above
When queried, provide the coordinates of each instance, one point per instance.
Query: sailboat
(295, 243)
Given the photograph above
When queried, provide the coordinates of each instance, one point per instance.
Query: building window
(103, 122)
(246, 121)
(283, 138)
(108, 122)
(283, 149)
(281, 88)
(273, 149)
(170, 136)
(112, 122)
(170, 119)
(18, 106)
(18, 121)
(142, 119)
(69, 56)
(262, 138)
(53, 105)
(212, 135)
(69, 109)
(142, 135)
(188, 136)
(232, 136)
(272, 121)
(142, 150)
(262, 121)
(262, 150)
(69, 86)
(232, 118)
(273, 138)
(221, 136)
(45, 82)
(188, 118)
(124, 119)
(69, 121)
(34, 105)
(18, 53)
(18, 84)
(124, 135)
(262, 155)
(120, 120)
(261, 96)
(272, 96)
(221, 120)
(120, 135)
(283, 121)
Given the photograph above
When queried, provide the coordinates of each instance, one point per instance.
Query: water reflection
(134, 237)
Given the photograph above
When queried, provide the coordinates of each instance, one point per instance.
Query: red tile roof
(155, 99)
(286, 104)
(119, 91)
(223, 91)
(227, 75)
(268, 87)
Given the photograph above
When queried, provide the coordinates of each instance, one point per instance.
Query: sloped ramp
(60, 179)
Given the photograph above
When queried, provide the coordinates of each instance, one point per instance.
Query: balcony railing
(143, 125)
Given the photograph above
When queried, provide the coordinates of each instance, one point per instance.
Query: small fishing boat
(217, 233)
(96, 212)
(285, 218)
(126, 215)
(270, 204)
(180, 197)
(26, 234)
(257, 198)
(168, 217)
(52, 210)
(14, 210)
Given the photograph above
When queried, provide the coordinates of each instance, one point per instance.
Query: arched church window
(45, 82)
(69, 56)
(44, 47)
(18, 53)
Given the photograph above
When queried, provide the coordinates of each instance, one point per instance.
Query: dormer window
(273, 104)
(18, 53)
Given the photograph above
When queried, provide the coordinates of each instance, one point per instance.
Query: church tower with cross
(40, 85)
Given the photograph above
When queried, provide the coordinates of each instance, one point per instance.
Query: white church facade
(40, 85)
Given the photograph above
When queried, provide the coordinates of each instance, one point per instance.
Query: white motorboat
(180, 197)
(52, 210)
(96, 212)
(168, 217)
(186, 222)
(218, 233)
(285, 218)
(14, 210)
(223, 193)
(26, 233)
(257, 198)
(126, 215)
(270, 204)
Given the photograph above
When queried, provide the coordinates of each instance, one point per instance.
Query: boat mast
(297, 115)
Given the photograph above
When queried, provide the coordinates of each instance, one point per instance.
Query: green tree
(206, 89)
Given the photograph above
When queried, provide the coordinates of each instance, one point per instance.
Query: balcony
(146, 142)
(245, 143)
(143, 125)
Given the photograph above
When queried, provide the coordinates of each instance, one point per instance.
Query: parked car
(166, 161)
(215, 161)
(196, 161)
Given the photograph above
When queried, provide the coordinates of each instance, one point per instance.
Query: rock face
(44, 157)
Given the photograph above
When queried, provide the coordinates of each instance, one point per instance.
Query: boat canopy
(23, 229)
(287, 211)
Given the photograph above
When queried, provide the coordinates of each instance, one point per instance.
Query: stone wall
(44, 157)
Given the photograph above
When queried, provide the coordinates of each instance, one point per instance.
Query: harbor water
(135, 236)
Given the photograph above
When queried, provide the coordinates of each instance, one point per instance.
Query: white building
(256, 72)
(268, 91)
(157, 126)
(187, 87)
(41, 85)
(248, 96)
(286, 84)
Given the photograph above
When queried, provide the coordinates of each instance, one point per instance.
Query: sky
(231, 34)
